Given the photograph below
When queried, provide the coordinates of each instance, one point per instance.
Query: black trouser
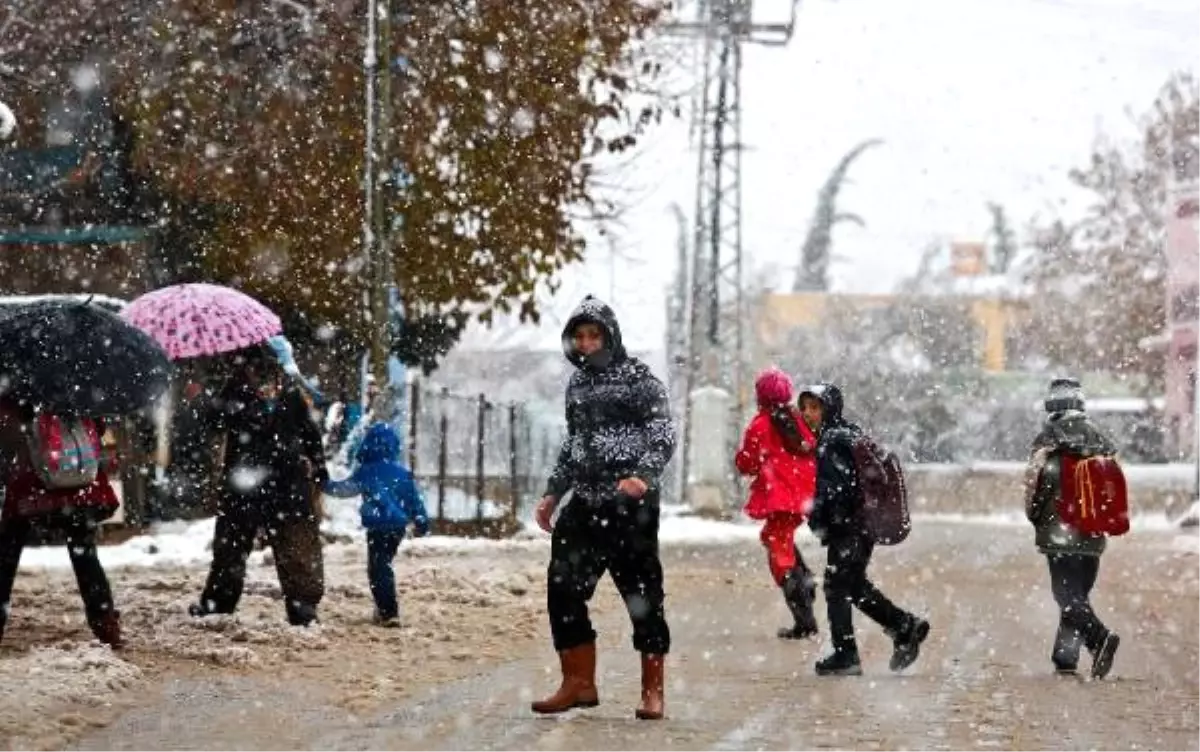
(1072, 577)
(81, 547)
(618, 535)
(294, 539)
(846, 585)
(381, 550)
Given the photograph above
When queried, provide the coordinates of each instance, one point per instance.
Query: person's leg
(798, 585)
(233, 539)
(102, 616)
(14, 532)
(381, 551)
(638, 574)
(578, 560)
(300, 564)
(843, 572)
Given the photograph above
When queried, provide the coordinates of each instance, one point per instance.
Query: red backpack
(885, 496)
(64, 452)
(1093, 497)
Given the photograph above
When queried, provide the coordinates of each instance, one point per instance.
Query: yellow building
(781, 313)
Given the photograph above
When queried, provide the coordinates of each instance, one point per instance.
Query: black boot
(799, 592)
(300, 614)
(1102, 661)
(841, 662)
(906, 644)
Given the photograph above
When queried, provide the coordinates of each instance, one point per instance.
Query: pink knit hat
(773, 387)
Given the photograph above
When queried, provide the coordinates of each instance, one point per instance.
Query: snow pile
(70, 672)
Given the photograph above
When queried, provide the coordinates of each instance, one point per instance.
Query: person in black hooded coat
(837, 521)
(620, 437)
(274, 465)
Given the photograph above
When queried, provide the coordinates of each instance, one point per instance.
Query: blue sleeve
(414, 502)
(343, 489)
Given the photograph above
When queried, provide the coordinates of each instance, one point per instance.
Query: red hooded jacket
(783, 481)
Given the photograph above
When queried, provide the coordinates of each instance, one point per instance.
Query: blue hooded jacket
(390, 496)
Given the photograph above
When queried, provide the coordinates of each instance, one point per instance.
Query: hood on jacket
(592, 310)
(1073, 432)
(832, 404)
(773, 387)
(380, 444)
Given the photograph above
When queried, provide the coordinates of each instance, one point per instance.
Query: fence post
(414, 409)
(512, 459)
(480, 445)
(443, 429)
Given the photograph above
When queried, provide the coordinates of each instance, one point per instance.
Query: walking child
(779, 450)
(837, 519)
(1073, 556)
(390, 500)
(619, 439)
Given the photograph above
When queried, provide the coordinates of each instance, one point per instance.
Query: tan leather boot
(653, 704)
(578, 688)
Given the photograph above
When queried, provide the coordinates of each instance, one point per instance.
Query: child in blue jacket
(390, 499)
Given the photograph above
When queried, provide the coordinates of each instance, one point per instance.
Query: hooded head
(595, 312)
(380, 444)
(830, 397)
(1065, 394)
(772, 388)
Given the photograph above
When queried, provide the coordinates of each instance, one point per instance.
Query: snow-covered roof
(105, 300)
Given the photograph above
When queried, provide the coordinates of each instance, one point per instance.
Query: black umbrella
(77, 358)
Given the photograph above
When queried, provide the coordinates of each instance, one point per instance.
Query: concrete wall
(996, 488)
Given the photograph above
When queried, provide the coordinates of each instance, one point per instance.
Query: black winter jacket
(265, 447)
(837, 506)
(618, 415)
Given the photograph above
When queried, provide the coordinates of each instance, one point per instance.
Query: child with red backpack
(1074, 497)
(860, 502)
(55, 475)
(778, 450)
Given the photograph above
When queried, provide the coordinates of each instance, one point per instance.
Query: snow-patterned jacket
(783, 481)
(618, 415)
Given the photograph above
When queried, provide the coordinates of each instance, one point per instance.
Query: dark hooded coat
(837, 506)
(618, 415)
(1072, 433)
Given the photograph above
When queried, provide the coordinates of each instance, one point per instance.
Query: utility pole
(715, 314)
(376, 234)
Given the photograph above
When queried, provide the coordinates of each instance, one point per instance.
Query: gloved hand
(421, 528)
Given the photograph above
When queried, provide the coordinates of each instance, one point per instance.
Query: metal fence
(468, 449)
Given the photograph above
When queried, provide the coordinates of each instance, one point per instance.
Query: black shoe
(906, 648)
(798, 632)
(840, 663)
(301, 614)
(1103, 660)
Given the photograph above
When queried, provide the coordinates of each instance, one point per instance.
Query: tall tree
(815, 252)
(1099, 282)
(254, 112)
(1003, 240)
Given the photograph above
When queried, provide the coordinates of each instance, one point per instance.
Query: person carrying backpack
(55, 475)
(779, 451)
(1072, 554)
(390, 500)
(838, 520)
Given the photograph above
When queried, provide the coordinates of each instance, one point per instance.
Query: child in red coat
(778, 449)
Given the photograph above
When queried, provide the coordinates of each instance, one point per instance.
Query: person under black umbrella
(63, 365)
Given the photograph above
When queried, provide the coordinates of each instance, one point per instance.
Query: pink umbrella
(194, 320)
